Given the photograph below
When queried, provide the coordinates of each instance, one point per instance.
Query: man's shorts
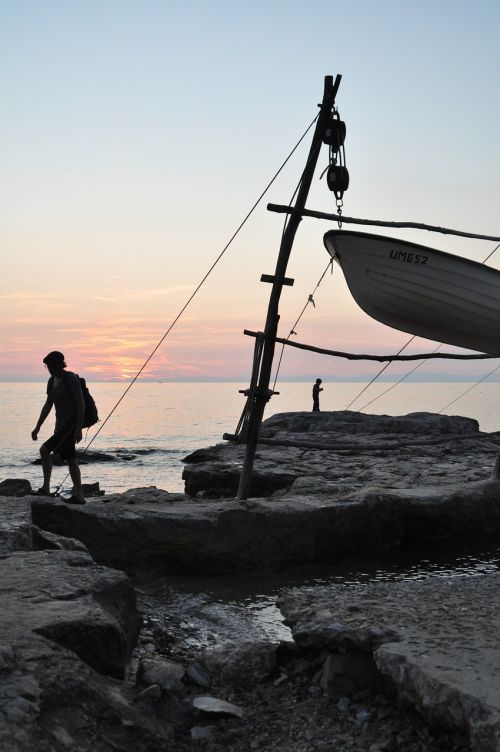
(62, 442)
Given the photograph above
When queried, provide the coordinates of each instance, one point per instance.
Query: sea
(156, 425)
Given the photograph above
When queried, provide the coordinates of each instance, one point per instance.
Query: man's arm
(45, 411)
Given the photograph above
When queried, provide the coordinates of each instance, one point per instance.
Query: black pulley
(337, 178)
(334, 134)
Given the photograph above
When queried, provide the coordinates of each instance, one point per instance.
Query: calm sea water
(158, 424)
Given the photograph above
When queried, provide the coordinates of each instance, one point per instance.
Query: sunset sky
(137, 135)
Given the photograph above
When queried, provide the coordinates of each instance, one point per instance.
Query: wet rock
(90, 456)
(15, 487)
(214, 706)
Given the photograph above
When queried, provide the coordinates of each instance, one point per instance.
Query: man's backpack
(90, 416)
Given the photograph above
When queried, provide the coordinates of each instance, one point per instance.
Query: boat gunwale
(410, 243)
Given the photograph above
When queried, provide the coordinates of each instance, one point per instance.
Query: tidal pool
(196, 612)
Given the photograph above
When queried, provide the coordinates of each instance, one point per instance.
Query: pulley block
(335, 133)
(337, 178)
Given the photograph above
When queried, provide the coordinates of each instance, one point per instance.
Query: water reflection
(237, 607)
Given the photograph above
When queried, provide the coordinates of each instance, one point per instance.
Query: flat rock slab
(436, 640)
(67, 628)
(198, 535)
(333, 453)
(15, 524)
(72, 601)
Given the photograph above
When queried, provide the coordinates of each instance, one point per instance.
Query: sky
(137, 135)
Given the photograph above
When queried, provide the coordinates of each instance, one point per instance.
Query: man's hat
(54, 358)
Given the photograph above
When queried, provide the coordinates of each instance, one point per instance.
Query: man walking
(64, 391)
(316, 390)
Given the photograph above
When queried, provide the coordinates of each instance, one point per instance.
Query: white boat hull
(420, 290)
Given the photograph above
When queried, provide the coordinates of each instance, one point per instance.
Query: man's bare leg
(46, 467)
(76, 477)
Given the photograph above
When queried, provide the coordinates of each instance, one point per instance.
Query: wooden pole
(282, 209)
(262, 391)
(379, 358)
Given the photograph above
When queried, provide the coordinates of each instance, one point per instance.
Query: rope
(198, 287)
(378, 374)
(469, 389)
(400, 381)
(310, 299)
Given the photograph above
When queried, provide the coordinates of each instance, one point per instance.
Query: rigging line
(288, 214)
(309, 300)
(377, 375)
(491, 254)
(413, 369)
(469, 389)
(200, 284)
(396, 383)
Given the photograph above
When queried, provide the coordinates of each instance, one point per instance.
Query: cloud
(145, 293)
(22, 296)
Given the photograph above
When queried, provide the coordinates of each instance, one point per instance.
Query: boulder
(243, 664)
(164, 673)
(67, 628)
(73, 602)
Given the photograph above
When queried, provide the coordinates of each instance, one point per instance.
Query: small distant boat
(421, 290)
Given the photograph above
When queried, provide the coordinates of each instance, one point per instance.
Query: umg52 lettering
(409, 256)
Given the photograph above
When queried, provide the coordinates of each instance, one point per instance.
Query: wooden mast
(262, 391)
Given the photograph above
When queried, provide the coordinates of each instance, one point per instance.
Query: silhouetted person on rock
(316, 390)
(64, 391)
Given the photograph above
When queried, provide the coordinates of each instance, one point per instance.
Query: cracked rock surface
(436, 640)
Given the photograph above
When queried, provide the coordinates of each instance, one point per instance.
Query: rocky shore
(383, 666)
